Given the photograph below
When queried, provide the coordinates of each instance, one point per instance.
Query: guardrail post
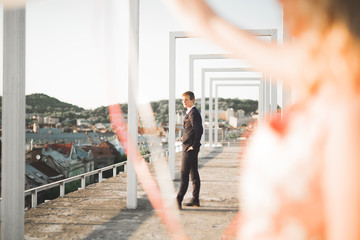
(114, 171)
(62, 189)
(100, 176)
(83, 182)
(34, 198)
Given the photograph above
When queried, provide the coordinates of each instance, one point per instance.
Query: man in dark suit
(193, 130)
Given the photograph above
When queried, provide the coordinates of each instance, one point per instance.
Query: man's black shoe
(193, 204)
(178, 201)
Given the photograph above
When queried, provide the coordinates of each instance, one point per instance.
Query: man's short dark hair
(190, 94)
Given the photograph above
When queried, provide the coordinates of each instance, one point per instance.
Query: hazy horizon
(119, 102)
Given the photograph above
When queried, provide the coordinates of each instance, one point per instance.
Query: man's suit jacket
(193, 130)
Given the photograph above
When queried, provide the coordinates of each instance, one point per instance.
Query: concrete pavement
(99, 211)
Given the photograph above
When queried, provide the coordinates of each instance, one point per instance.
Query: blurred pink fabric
(281, 191)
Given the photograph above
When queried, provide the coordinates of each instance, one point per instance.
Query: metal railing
(34, 191)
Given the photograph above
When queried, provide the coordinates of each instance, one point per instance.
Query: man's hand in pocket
(190, 149)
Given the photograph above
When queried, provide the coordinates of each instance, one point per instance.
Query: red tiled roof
(64, 148)
(105, 149)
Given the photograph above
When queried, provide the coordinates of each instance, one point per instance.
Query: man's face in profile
(187, 103)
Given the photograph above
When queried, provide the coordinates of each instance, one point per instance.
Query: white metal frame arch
(216, 127)
(172, 56)
(264, 88)
(192, 59)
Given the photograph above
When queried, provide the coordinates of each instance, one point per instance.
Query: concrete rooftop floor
(99, 211)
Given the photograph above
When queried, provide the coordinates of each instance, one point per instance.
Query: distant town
(63, 140)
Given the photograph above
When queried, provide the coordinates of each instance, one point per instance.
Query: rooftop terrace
(99, 211)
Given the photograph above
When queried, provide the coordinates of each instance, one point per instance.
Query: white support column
(171, 134)
(132, 101)
(274, 83)
(265, 102)
(274, 104)
(13, 125)
(286, 90)
(172, 68)
(191, 74)
(267, 97)
(261, 102)
(268, 92)
(216, 118)
(202, 151)
(210, 120)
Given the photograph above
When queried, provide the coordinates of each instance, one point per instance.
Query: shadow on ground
(128, 222)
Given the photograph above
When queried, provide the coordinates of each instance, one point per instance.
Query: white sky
(77, 49)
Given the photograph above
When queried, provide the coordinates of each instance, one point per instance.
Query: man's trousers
(189, 166)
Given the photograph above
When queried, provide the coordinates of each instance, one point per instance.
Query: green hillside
(44, 104)
(41, 103)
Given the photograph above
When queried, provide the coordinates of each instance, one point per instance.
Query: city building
(64, 159)
(82, 122)
(104, 154)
